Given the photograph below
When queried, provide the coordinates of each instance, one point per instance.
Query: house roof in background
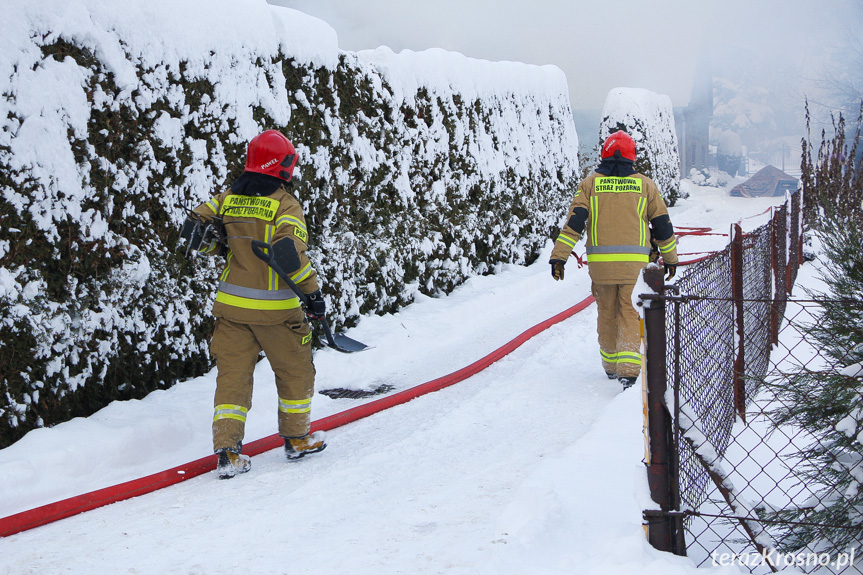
(768, 181)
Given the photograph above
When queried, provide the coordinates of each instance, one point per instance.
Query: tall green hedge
(402, 195)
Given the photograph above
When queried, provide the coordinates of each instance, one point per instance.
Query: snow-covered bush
(649, 118)
(704, 177)
(416, 172)
(729, 153)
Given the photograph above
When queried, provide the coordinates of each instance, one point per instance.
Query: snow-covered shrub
(699, 177)
(704, 177)
(649, 118)
(416, 172)
(421, 185)
(729, 153)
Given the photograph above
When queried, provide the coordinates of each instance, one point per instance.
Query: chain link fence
(726, 465)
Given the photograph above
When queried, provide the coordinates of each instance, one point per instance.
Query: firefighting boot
(610, 375)
(231, 464)
(627, 382)
(296, 447)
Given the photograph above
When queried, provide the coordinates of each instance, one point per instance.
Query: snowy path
(473, 442)
(414, 489)
(430, 338)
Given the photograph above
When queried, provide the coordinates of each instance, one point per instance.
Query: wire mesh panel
(758, 303)
(763, 482)
(704, 371)
(795, 489)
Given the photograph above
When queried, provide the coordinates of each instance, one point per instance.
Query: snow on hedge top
(47, 100)
(197, 32)
(208, 36)
(649, 119)
(408, 71)
(627, 105)
(151, 32)
(306, 39)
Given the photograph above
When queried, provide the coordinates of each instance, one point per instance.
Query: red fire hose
(74, 505)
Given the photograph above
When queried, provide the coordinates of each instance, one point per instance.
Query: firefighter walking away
(620, 211)
(255, 311)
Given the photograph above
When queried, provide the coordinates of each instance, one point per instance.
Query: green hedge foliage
(403, 194)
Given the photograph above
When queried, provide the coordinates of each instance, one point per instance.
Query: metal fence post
(780, 260)
(737, 297)
(774, 268)
(795, 243)
(661, 528)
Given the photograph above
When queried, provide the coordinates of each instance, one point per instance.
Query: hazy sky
(652, 44)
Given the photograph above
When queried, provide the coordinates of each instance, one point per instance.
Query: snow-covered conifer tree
(826, 402)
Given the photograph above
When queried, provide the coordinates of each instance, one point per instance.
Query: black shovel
(338, 342)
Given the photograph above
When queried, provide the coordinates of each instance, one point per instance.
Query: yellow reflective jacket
(249, 290)
(618, 213)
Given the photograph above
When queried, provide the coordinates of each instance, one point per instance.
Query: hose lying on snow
(45, 514)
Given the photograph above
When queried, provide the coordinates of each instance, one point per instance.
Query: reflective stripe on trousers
(229, 411)
(621, 357)
(295, 406)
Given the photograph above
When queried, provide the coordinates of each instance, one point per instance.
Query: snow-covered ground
(533, 466)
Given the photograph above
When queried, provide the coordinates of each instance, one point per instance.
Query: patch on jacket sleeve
(662, 228)
(300, 231)
(577, 220)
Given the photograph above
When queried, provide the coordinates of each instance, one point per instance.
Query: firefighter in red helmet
(255, 311)
(623, 214)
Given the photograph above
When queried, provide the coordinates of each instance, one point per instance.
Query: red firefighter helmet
(619, 141)
(271, 153)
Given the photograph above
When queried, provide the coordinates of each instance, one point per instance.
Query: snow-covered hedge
(417, 170)
(649, 118)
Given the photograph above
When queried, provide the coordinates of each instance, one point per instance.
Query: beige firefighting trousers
(618, 328)
(236, 346)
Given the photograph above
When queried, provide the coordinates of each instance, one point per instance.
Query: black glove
(654, 252)
(215, 240)
(556, 269)
(204, 235)
(670, 270)
(317, 308)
